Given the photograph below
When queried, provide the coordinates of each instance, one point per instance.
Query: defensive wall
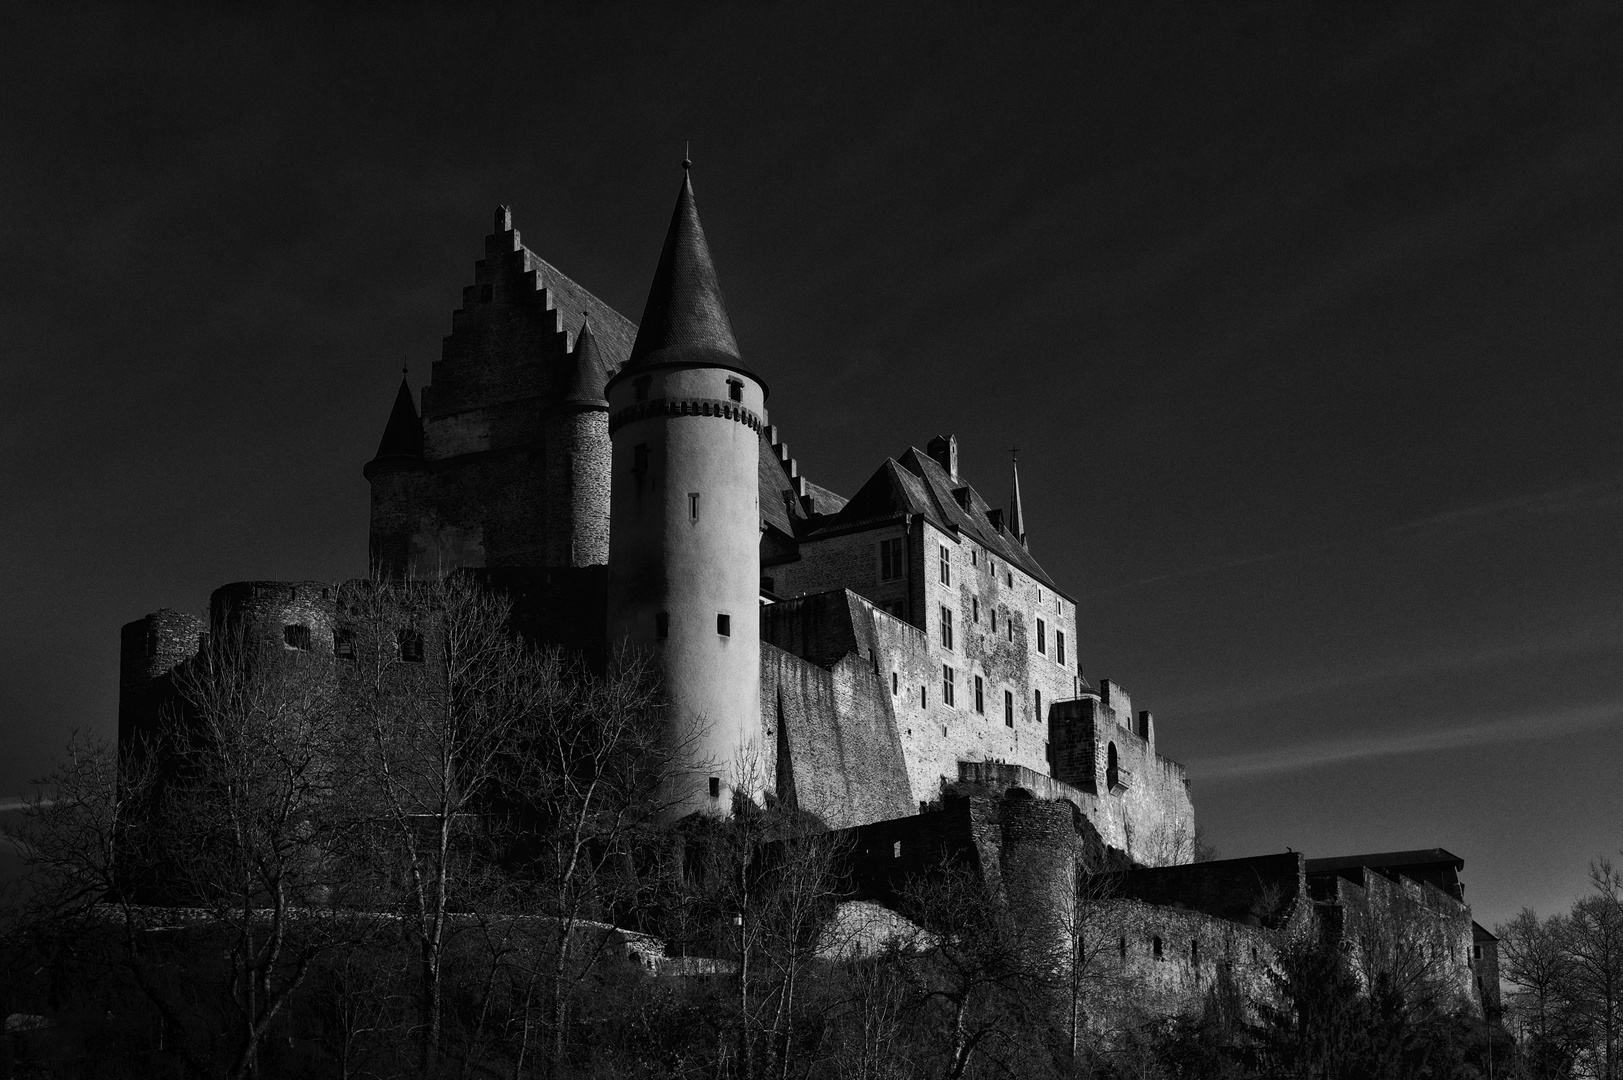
(1391, 921)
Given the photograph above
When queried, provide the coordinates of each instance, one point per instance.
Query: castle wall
(149, 649)
(1413, 929)
(834, 749)
(261, 613)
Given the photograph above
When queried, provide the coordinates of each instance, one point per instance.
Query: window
(1008, 708)
(1008, 627)
(974, 557)
(975, 608)
(1112, 767)
(949, 680)
(639, 459)
(896, 850)
(980, 695)
(946, 565)
(1124, 949)
(946, 627)
(693, 506)
(662, 625)
(893, 686)
(1155, 945)
(1059, 646)
(410, 644)
(641, 387)
(715, 787)
(343, 644)
(1009, 576)
(1476, 952)
(1042, 637)
(1040, 716)
(724, 625)
(890, 559)
(735, 389)
(924, 698)
(994, 620)
(297, 636)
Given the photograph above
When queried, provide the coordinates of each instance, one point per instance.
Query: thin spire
(685, 320)
(1017, 516)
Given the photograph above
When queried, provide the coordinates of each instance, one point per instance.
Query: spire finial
(404, 370)
(687, 155)
(1014, 453)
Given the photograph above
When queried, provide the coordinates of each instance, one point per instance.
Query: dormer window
(735, 389)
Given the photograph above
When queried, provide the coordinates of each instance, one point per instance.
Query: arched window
(1112, 767)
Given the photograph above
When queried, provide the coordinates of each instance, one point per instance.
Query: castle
(897, 663)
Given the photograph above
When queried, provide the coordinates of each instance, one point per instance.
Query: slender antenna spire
(1017, 516)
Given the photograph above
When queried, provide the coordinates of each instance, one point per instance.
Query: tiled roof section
(823, 500)
(403, 435)
(588, 373)
(1384, 859)
(916, 484)
(780, 507)
(613, 331)
(685, 320)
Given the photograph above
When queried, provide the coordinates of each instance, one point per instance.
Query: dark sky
(1306, 319)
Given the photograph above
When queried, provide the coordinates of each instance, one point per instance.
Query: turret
(684, 537)
(394, 472)
(577, 453)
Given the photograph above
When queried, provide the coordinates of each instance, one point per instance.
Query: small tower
(684, 535)
(577, 452)
(394, 473)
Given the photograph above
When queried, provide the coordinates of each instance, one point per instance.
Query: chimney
(944, 449)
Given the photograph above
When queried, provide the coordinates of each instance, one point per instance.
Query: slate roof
(403, 434)
(685, 320)
(917, 484)
(574, 303)
(588, 373)
(1385, 859)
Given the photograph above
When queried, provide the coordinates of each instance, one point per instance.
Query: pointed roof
(402, 435)
(916, 484)
(685, 321)
(588, 373)
(1017, 516)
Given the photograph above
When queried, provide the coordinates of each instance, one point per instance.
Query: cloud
(1442, 527)
(1304, 756)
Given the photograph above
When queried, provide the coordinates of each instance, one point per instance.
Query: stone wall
(150, 649)
(832, 736)
(1413, 929)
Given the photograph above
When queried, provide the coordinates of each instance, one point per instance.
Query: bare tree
(1534, 960)
(440, 685)
(1594, 947)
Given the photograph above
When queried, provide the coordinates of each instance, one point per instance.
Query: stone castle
(895, 662)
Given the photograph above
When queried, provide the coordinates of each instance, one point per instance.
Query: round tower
(684, 521)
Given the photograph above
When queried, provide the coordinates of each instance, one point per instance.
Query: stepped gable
(684, 322)
(402, 440)
(917, 484)
(510, 339)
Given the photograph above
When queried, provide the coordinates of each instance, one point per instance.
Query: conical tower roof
(588, 374)
(685, 321)
(402, 436)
